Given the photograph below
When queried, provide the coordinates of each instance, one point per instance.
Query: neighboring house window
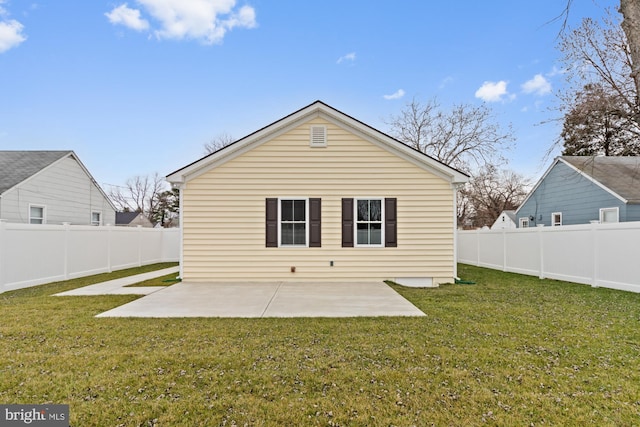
(96, 218)
(293, 222)
(369, 222)
(524, 222)
(556, 219)
(608, 215)
(36, 215)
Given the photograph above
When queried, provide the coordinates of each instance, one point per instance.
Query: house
(50, 187)
(506, 220)
(320, 196)
(584, 189)
(132, 219)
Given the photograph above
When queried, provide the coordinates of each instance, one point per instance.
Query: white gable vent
(318, 136)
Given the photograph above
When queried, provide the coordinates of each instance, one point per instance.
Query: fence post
(541, 248)
(2, 261)
(139, 227)
(504, 249)
(594, 240)
(66, 226)
(109, 246)
(477, 232)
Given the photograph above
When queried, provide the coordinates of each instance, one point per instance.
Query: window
(293, 222)
(609, 215)
(370, 222)
(96, 218)
(524, 222)
(36, 215)
(556, 219)
(368, 216)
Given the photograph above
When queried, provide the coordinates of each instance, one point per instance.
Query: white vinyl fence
(35, 254)
(605, 255)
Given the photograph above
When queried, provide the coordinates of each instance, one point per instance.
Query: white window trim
(553, 217)
(522, 221)
(306, 220)
(603, 210)
(100, 220)
(355, 223)
(44, 212)
(312, 141)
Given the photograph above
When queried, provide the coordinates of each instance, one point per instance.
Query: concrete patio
(269, 299)
(250, 299)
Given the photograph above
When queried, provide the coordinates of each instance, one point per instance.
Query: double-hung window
(96, 218)
(369, 220)
(293, 222)
(36, 214)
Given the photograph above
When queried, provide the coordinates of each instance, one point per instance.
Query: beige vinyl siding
(224, 212)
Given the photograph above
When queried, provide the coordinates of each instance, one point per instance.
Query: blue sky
(139, 87)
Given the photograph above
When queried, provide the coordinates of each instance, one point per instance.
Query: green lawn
(509, 351)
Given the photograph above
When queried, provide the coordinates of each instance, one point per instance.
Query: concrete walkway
(269, 299)
(117, 286)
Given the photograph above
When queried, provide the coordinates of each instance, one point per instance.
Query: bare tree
(607, 54)
(218, 142)
(139, 194)
(489, 192)
(630, 10)
(466, 137)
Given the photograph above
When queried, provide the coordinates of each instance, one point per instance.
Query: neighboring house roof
(317, 109)
(19, 166)
(511, 215)
(618, 175)
(123, 218)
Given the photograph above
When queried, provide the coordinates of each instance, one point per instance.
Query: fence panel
(596, 254)
(35, 254)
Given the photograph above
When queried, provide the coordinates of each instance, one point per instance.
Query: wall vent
(318, 136)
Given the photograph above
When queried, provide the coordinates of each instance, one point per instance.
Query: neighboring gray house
(584, 189)
(506, 220)
(51, 187)
(132, 219)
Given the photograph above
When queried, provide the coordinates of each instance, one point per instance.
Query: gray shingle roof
(124, 218)
(16, 166)
(619, 174)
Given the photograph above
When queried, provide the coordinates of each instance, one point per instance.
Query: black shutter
(390, 223)
(315, 214)
(347, 223)
(271, 211)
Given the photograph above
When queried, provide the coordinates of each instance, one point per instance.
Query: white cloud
(348, 57)
(493, 91)
(10, 31)
(123, 15)
(538, 85)
(204, 20)
(445, 82)
(397, 95)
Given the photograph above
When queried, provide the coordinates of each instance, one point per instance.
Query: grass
(510, 350)
(169, 279)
